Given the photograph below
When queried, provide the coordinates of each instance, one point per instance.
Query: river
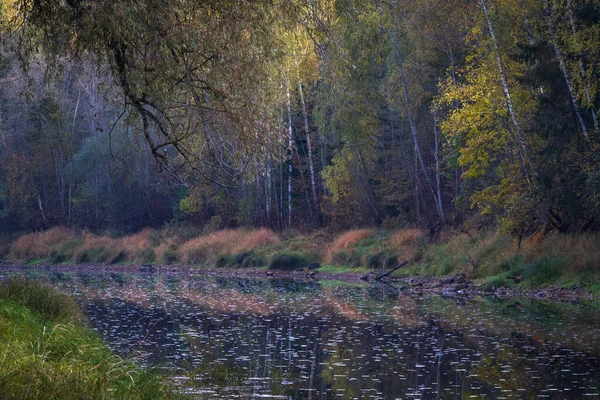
(249, 338)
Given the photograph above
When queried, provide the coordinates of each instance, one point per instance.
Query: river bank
(543, 265)
(457, 286)
(48, 351)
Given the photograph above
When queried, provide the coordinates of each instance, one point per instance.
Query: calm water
(226, 338)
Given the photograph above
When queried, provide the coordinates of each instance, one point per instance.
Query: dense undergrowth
(494, 259)
(48, 353)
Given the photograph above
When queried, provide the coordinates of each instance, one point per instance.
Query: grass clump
(209, 248)
(47, 353)
(341, 250)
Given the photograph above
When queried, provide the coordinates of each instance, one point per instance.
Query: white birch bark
(413, 130)
(563, 68)
(582, 70)
(523, 154)
(436, 156)
(529, 37)
(289, 152)
(311, 168)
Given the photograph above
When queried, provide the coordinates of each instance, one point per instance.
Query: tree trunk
(413, 129)
(530, 37)
(582, 71)
(436, 156)
(311, 168)
(563, 68)
(290, 149)
(523, 154)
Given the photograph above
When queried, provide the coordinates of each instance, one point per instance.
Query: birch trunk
(563, 68)
(582, 71)
(523, 154)
(530, 37)
(289, 152)
(311, 168)
(436, 156)
(413, 130)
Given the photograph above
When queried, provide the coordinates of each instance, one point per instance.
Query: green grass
(47, 352)
(334, 269)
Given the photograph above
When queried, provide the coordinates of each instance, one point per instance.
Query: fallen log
(397, 267)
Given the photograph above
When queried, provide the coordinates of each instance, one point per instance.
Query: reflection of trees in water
(129, 328)
(287, 336)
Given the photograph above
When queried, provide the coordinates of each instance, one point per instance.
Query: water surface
(229, 338)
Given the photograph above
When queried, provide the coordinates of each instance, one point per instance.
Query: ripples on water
(230, 338)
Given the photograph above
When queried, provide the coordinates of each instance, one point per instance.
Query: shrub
(137, 247)
(169, 257)
(288, 261)
(118, 258)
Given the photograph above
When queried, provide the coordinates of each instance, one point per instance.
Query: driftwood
(397, 267)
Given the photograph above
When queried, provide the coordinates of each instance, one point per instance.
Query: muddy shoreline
(449, 286)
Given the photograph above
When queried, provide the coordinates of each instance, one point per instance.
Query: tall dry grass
(136, 248)
(346, 241)
(228, 242)
(582, 250)
(406, 243)
(41, 244)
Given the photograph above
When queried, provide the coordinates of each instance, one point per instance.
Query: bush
(288, 261)
(169, 257)
(346, 242)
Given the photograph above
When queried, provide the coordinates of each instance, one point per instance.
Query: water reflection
(291, 339)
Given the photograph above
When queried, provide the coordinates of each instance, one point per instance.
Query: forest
(117, 116)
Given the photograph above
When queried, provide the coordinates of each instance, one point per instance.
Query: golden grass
(406, 237)
(168, 244)
(132, 248)
(136, 242)
(226, 242)
(406, 242)
(95, 242)
(41, 244)
(346, 241)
